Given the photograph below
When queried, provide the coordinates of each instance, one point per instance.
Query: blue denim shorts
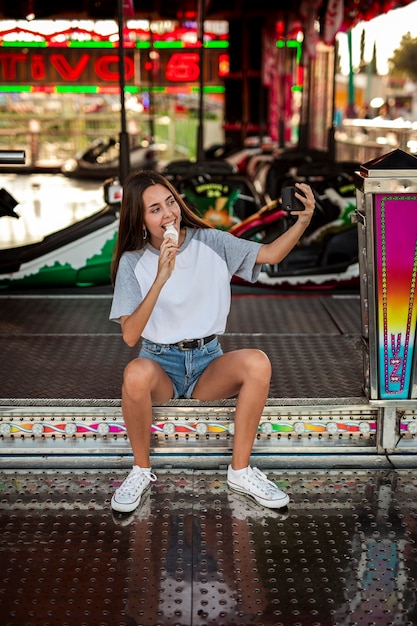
(184, 367)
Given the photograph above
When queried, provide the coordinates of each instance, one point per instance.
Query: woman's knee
(258, 365)
(138, 376)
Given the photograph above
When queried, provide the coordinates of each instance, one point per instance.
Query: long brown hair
(131, 224)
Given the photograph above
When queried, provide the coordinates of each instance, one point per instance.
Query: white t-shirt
(195, 301)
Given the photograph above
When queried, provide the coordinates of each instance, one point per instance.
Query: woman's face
(160, 210)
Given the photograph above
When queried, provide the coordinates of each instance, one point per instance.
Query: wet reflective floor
(194, 553)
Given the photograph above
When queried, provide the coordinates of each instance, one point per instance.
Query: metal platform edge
(293, 432)
(105, 403)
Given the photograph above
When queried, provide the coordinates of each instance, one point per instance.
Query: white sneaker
(127, 497)
(243, 508)
(256, 484)
(141, 513)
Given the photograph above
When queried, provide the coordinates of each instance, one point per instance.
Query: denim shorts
(184, 367)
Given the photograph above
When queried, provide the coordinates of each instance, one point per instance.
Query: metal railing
(363, 140)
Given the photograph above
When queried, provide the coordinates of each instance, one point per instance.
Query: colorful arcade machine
(387, 232)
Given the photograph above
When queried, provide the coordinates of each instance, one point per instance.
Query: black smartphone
(289, 201)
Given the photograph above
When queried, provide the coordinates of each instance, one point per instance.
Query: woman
(176, 298)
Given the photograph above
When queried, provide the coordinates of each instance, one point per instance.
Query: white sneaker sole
(270, 504)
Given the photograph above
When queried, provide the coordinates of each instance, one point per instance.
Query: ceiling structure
(354, 11)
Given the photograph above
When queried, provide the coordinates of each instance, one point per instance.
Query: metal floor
(63, 347)
(343, 553)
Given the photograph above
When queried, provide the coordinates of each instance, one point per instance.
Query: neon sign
(49, 67)
(84, 58)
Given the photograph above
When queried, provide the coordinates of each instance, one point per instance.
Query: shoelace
(131, 480)
(262, 481)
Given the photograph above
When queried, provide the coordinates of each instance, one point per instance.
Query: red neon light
(9, 62)
(224, 65)
(183, 67)
(38, 67)
(65, 70)
(104, 64)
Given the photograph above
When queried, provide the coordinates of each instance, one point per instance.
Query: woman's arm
(277, 250)
(133, 325)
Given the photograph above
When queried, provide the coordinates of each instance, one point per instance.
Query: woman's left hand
(275, 251)
(306, 196)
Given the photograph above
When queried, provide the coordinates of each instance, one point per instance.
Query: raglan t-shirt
(195, 301)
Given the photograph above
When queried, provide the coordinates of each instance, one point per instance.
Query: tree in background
(404, 59)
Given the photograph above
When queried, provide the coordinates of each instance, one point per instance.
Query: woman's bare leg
(144, 382)
(247, 374)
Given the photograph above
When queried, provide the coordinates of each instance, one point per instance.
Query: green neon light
(91, 44)
(215, 89)
(209, 89)
(76, 89)
(24, 44)
(15, 88)
(110, 44)
(96, 89)
(292, 43)
(216, 44)
(64, 89)
(168, 44)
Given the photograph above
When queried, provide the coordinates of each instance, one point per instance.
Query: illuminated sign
(50, 67)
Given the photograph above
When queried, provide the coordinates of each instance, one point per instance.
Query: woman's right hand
(166, 263)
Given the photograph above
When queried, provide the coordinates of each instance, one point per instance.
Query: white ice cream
(172, 233)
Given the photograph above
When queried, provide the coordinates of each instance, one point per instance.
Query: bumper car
(101, 160)
(79, 255)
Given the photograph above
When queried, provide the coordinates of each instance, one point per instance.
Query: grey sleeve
(127, 294)
(240, 255)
